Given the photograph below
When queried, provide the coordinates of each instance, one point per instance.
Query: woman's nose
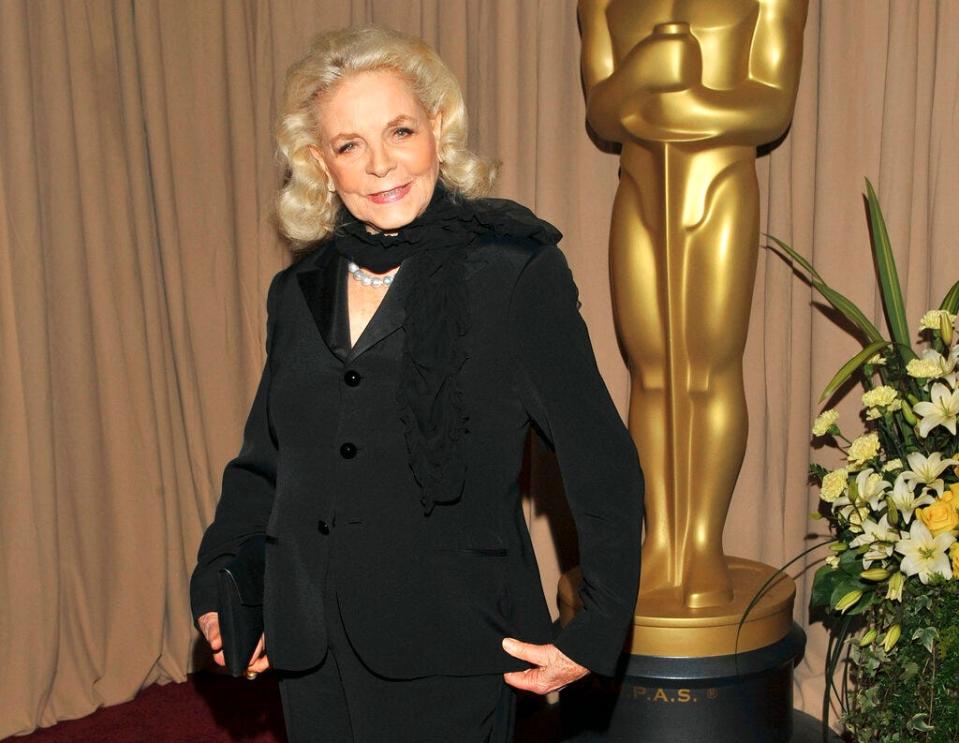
(380, 162)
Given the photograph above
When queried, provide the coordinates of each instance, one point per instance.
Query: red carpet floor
(209, 707)
(213, 708)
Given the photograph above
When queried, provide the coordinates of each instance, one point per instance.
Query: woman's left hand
(555, 670)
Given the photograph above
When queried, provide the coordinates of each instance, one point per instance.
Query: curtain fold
(136, 244)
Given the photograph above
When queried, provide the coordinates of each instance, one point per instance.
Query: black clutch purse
(240, 604)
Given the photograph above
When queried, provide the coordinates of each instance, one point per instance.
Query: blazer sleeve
(246, 495)
(564, 394)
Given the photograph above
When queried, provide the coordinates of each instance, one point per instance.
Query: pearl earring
(331, 188)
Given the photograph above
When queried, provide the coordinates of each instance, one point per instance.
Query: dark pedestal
(744, 698)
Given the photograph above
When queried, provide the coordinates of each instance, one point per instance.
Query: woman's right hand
(210, 627)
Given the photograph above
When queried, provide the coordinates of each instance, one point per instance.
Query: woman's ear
(318, 156)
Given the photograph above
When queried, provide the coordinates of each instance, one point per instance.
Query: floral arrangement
(889, 589)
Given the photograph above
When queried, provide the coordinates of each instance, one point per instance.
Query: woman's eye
(404, 131)
(344, 147)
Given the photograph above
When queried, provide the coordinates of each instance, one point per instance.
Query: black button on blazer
(423, 594)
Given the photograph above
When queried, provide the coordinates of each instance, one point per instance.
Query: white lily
(923, 554)
(880, 537)
(927, 469)
(952, 362)
(854, 515)
(903, 497)
(872, 487)
(942, 411)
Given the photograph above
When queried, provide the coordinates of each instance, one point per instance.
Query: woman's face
(380, 148)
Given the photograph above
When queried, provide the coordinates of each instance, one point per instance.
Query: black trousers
(343, 701)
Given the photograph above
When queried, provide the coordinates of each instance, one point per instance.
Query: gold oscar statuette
(689, 89)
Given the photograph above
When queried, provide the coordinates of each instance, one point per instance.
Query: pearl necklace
(360, 275)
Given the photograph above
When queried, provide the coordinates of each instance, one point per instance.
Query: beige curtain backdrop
(136, 175)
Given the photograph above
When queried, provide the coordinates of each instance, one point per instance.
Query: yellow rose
(954, 554)
(939, 517)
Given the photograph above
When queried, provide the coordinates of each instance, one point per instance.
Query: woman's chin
(392, 218)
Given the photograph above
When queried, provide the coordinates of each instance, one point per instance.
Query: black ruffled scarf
(429, 396)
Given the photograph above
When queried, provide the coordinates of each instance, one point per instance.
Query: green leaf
(927, 636)
(837, 639)
(851, 366)
(823, 584)
(850, 561)
(864, 603)
(837, 300)
(888, 276)
(909, 671)
(844, 587)
(807, 266)
(919, 724)
(850, 311)
(950, 302)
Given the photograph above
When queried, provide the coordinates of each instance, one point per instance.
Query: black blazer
(323, 472)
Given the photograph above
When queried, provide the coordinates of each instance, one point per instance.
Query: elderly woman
(408, 350)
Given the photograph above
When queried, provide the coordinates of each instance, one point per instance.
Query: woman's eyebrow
(392, 122)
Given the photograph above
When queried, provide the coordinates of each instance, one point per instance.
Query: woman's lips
(394, 194)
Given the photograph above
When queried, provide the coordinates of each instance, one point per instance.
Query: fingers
(540, 680)
(260, 665)
(259, 661)
(555, 672)
(532, 679)
(538, 654)
(210, 626)
(257, 650)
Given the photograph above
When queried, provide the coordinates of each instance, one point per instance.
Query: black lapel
(389, 316)
(324, 287)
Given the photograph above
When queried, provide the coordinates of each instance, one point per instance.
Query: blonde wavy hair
(306, 210)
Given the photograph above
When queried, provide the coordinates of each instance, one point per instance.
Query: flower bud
(875, 574)
(848, 601)
(868, 637)
(891, 638)
(853, 490)
(896, 583)
(892, 513)
(945, 328)
(838, 547)
(908, 414)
